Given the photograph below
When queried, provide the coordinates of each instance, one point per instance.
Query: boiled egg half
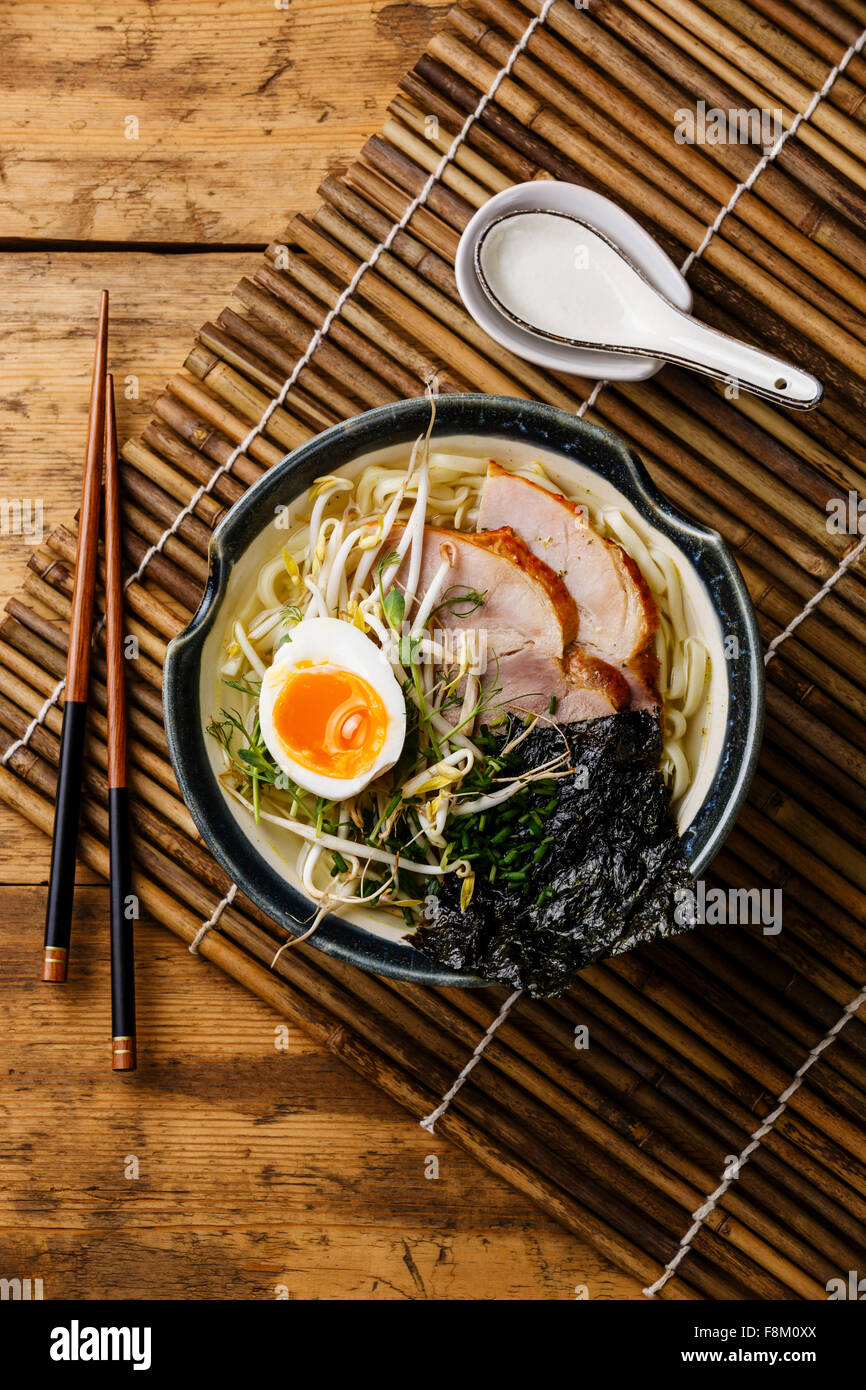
(332, 713)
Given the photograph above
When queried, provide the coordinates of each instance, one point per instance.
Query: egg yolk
(330, 720)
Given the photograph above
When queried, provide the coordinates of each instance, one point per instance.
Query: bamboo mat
(710, 1139)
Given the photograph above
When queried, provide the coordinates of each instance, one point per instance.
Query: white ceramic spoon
(562, 280)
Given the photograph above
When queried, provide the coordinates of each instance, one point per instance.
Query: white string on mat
(776, 148)
(845, 563)
(429, 1121)
(212, 921)
(35, 722)
(748, 184)
(709, 1206)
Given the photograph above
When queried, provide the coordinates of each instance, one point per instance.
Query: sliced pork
(617, 615)
(529, 620)
(581, 687)
(525, 603)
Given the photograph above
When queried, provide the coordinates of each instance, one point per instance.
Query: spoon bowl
(560, 279)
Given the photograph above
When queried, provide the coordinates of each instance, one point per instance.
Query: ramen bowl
(515, 432)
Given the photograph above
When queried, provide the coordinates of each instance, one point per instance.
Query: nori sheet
(615, 868)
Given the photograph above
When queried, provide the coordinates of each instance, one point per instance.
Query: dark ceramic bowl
(608, 468)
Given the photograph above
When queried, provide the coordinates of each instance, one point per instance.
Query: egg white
(345, 646)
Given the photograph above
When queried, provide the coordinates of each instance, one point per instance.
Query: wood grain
(241, 109)
(262, 1173)
(46, 319)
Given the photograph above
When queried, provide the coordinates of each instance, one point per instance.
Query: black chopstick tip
(55, 960)
(123, 1054)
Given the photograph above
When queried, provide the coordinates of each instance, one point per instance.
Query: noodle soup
(324, 556)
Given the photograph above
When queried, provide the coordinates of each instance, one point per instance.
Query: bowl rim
(502, 417)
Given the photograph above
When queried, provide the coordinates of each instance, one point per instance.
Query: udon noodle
(328, 562)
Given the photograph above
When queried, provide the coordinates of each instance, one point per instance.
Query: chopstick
(58, 916)
(122, 916)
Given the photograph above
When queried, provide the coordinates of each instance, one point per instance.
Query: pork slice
(642, 676)
(617, 614)
(584, 686)
(525, 603)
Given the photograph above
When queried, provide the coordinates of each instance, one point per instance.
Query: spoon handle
(691, 343)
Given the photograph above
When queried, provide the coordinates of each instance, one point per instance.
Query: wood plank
(241, 110)
(263, 1173)
(47, 318)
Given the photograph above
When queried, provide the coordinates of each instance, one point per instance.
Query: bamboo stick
(643, 1150)
(192, 463)
(282, 427)
(597, 36)
(142, 603)
(241, 345)
(636, 1039)
(430, 102)
(364, 385)
(177, 433)
(436, 310)
(312, 295)
(685, 967)
(535, 109)
(485, 172)
(381, 193)
(51, 658)
(800, 38)
(765, 232)
(186, 415)
(164, 508)
(411, 251)
(827, 15)
(152, 467)
(834, 1152)
(549, 1041)
(795, 160)
(391, 295)
(769, 41)
(806, 1101)
(794, 962)
(829, 133)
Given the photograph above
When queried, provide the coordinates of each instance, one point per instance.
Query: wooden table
(153, 149)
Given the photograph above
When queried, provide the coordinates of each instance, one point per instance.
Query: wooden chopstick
(58, 917)
(122, 915)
